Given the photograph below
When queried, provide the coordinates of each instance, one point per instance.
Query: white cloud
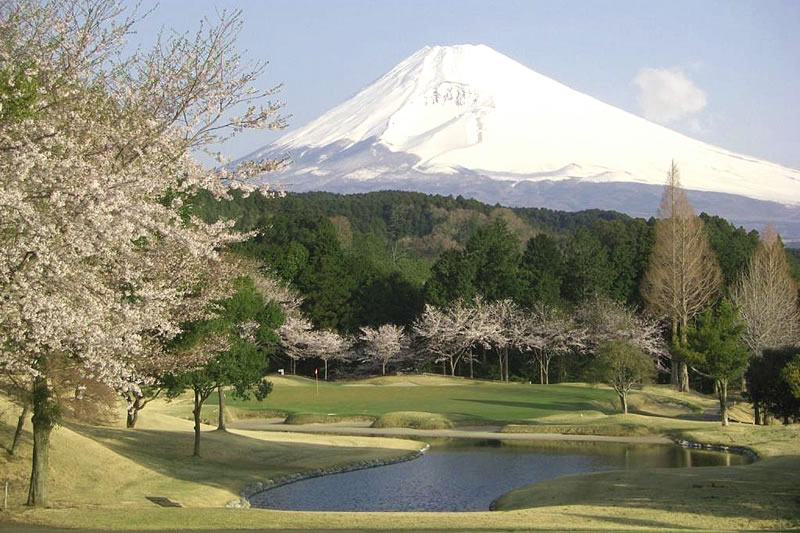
(668, 95)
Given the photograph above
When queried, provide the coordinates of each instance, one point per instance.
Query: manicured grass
(99, 466)
(413, 419)
(768, 489)
(459, 399)
(317, 418)
(101, 475)
(602, 424)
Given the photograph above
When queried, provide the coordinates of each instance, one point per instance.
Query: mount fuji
(468, 120)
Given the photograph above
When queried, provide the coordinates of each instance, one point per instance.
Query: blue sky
(726, 72)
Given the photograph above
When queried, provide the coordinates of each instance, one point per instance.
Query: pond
(464, 475)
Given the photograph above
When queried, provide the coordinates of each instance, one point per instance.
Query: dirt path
(482, 432)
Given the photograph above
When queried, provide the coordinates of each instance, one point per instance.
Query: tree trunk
(383, 369)
(500, 362)
(722, 393)
(623, 399)
(471, 373)
(44, 419)
(673, 378)
(198, 404)
(452, 367)
(547, 370)
(683, 377)
(326, 370)
(131, 417)
(221, 422)
(541, 370)
(133, 413)
(20, 424)
(683, 368)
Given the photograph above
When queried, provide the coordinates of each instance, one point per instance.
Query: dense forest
(370, 259)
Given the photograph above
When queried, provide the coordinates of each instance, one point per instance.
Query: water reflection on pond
(467, 475)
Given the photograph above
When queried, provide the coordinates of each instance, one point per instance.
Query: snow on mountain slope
(468, 114)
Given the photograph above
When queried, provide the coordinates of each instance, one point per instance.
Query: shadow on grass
(227, 460)
(766, 490)
(624, 521)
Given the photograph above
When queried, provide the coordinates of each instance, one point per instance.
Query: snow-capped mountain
(468, 120)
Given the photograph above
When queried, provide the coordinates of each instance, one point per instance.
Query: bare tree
(766, 296)
(683, 274)
(384, 344)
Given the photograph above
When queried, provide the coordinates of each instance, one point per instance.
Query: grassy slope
(102, 466)
(763, 495)
(767, 490)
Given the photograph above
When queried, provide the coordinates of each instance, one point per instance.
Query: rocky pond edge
(739, 450)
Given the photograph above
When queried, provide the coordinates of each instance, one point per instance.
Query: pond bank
(466, 475)
(489, 432)
(243, 502)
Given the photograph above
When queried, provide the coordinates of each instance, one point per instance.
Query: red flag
(316, 371)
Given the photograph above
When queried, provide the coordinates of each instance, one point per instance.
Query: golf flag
(316, 371)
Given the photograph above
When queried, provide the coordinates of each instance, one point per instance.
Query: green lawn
(472, 400)
(100, 475)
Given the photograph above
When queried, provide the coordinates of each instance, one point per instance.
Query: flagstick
(316, 379)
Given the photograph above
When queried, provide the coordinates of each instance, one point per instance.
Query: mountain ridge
(468, 120)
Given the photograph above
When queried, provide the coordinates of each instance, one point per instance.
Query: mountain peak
(474, 118)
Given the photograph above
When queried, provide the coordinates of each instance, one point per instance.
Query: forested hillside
(370, 259)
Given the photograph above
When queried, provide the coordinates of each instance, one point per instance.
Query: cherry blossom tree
(384, 344)
(99, 261)
(328, 346)
(548, 332)
(295, 334)
(500, 325)
(607, 320)
(483, 332)
(445, 333)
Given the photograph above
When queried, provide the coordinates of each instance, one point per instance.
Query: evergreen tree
(542, 271)
(772, 383)
(494, 253)
(717, 350)
(452, 278)
(588, 272)
(240, 334)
